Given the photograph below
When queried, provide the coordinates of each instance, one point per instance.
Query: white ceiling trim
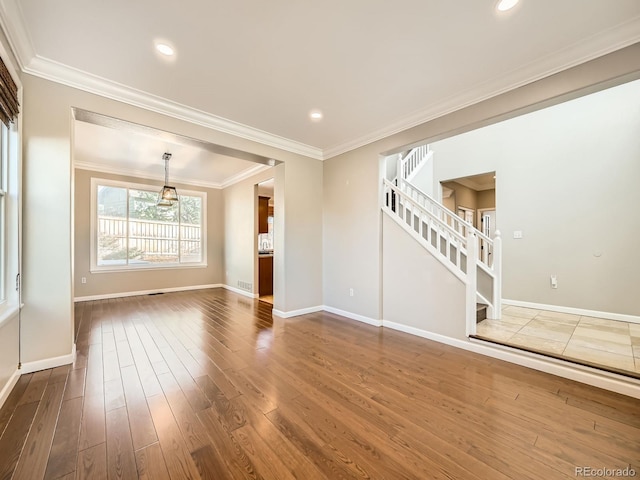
(19, 39)
(600, 44)
(596, 46)
(60, 73)
(130, 172)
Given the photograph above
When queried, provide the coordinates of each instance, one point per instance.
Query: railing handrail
(483, 254)
(141, 220)
(416, 155)
(447, 227)
(450, 213)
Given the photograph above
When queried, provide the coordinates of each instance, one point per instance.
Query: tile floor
(609, 343)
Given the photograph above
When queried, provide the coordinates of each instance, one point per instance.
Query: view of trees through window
(133, 230)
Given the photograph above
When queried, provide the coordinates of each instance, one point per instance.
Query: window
(130, 232)
(4, 164)
(10, 182)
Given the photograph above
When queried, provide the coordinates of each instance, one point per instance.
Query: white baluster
(497, 272)
(472, 281)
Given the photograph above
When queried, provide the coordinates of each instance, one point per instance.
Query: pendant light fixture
(168, 195)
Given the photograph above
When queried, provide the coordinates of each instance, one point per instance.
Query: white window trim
(4, 187)
(95, 268)
(10, 222)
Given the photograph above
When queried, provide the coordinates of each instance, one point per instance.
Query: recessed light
(165, 49)
(504, 5)
(315, 115)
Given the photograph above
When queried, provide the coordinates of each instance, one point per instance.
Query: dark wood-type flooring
(207, 385)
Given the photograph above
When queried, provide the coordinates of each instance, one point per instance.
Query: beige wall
(415, 285)
(240, 231)
(330, 212)
(351, 235)
(47, 319)
(299, 216)
(105, 283)
(463, 196)
(352, 232)
(9, 339)
(486, 199)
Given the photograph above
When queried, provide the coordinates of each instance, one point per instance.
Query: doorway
(473, 198)
(266, 213)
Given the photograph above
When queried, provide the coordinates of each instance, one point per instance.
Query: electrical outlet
(517, 234)
(554, 281)
(83, 279)
(351, 292)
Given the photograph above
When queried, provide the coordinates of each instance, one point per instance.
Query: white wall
(47, 260)
(568, 179)
(424, 178)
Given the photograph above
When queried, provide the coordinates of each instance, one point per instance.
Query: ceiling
(106, 144)
(484, 181)
(256, 68)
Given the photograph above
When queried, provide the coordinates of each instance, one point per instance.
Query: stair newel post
(399, 173)
(497, 272)
(472, 281)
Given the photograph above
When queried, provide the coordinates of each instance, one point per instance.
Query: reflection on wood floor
(611, 344)
(267, 298)
(207, 384)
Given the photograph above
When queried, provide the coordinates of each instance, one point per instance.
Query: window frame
(10, 220)
(4, 187)
(95, 268)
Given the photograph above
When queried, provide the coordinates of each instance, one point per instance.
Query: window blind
(9, 106)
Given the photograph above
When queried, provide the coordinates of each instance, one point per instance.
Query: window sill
(137, 268)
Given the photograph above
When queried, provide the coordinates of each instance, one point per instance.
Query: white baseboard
(6, 390)
(145, 292)
(326, 308)
(295, 313)
(576, 311)
(353, 316)
(239, 291)
(579, 373)
(38, 365)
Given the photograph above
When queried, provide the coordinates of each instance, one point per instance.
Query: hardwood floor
(207, 384)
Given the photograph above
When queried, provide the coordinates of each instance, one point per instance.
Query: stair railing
(457, 244)
(410, 164)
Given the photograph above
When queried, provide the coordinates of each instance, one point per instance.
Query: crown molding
(12, 23)
(600, 44)
(244, 175)
(130, 172)
(597, 45)
(60, 73)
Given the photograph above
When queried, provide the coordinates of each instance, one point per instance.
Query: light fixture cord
(166, 171)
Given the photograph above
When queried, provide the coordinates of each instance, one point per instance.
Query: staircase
(469, 254)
